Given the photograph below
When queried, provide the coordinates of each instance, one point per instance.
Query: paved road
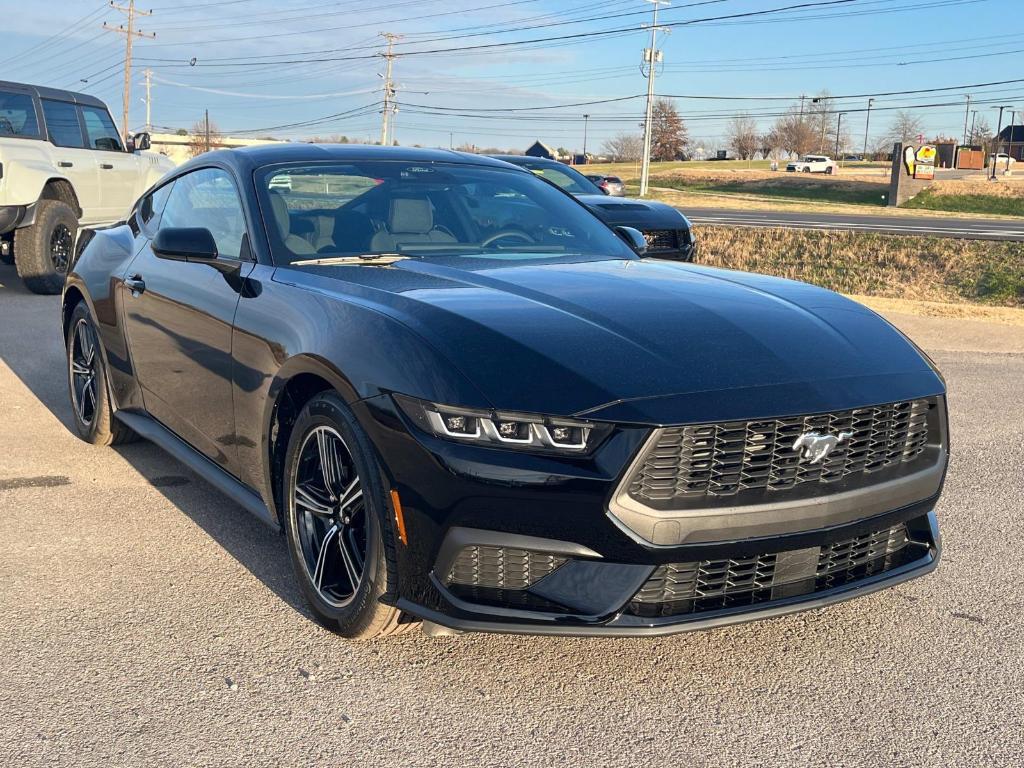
(973, 229)
(147, 621)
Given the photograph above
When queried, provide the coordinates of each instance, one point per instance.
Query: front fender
(94, 277)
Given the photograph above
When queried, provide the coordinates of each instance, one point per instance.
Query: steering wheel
(516, 233)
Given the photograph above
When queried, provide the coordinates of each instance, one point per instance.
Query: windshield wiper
(366, 259)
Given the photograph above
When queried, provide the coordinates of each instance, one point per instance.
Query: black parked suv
(668, 232)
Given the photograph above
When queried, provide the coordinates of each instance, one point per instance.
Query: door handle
(65, 164)
(135, 284)
(106, 166)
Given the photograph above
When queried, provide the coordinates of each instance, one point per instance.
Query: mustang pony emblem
(814, 447)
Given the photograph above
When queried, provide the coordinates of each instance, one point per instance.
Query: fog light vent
(501, 567)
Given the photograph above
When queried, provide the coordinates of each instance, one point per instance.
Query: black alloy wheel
(339, 523)
(84, 372)
(62, 241)
(329, 521)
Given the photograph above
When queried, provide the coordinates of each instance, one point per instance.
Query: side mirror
(634, 238)
(139, 142)
(193, 244)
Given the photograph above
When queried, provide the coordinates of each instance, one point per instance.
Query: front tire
(337, 523)
(43, 252)
(87, 384)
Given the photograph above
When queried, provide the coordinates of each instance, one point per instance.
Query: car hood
(644, 341)
(630, 212)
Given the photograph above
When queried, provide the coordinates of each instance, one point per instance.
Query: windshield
(569, 179)
(316, 211)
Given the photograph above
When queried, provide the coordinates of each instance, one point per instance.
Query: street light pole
(586, 119)
(1009, 143)
(651, 59)
(995, 148)
(966, 115)
(867, 122)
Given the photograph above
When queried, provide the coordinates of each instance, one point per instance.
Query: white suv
(62, 164)
(813, 164)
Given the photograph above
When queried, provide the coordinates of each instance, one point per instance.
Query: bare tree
(624, 147)
(743, 137)
(905, 127)
(197, 138)
(794, 134)
(669, 138)
(981, 133)
(821, 118)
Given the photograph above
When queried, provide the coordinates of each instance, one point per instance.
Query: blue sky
(261, 64)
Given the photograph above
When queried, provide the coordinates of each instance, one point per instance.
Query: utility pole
(867, 122)
(839, 133)
(206, 121)
(130, 33)
(586, 119)
(451, 140)
(802, 97)
(149, 100)
(966, 115)
(974, 118)
(389, 86)
(651, 57)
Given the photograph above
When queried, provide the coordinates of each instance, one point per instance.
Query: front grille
(661, 239)
(686, 588)
(501, 567)
(691, 464)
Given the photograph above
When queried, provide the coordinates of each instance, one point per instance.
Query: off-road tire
(34, 247)
(102, 428)
(370, 612)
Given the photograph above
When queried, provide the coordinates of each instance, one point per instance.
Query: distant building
(540, 149)
(1011, 141)
(177, 148)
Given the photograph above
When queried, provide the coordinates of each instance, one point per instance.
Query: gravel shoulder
(146, 620)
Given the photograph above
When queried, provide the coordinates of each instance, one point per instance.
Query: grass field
(899, 267)
(1001, 205)
(738, 183)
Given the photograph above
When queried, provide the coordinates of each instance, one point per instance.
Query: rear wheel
(337, 523)
(42, 252)
(87, 384)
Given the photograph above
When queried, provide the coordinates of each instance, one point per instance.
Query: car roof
(42, 92)
(250, 158)
(520, 159)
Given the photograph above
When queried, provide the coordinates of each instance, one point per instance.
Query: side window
(150, 207)
(62, 123)
(208, 198)
(100, 130)
(17, 115)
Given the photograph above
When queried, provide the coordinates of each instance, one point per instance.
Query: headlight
(502, 429)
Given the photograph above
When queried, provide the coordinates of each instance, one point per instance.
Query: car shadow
(32, 346)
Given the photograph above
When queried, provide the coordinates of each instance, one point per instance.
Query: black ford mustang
(467, 401)
(668, 232)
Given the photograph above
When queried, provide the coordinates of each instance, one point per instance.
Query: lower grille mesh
(686, 588)
(501, 567)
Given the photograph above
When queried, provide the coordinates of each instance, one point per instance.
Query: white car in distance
(813, 164)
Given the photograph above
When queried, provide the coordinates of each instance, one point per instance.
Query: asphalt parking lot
(146, 620)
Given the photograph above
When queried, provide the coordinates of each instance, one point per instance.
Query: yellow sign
(926, 154)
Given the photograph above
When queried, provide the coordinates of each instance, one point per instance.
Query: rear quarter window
(18, 115)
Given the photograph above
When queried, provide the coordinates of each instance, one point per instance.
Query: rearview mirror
(195, 244)
(634, 239)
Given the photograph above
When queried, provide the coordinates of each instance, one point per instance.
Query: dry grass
(959, 311)
(889, 266)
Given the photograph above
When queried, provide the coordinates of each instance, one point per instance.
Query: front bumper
(548, 515)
